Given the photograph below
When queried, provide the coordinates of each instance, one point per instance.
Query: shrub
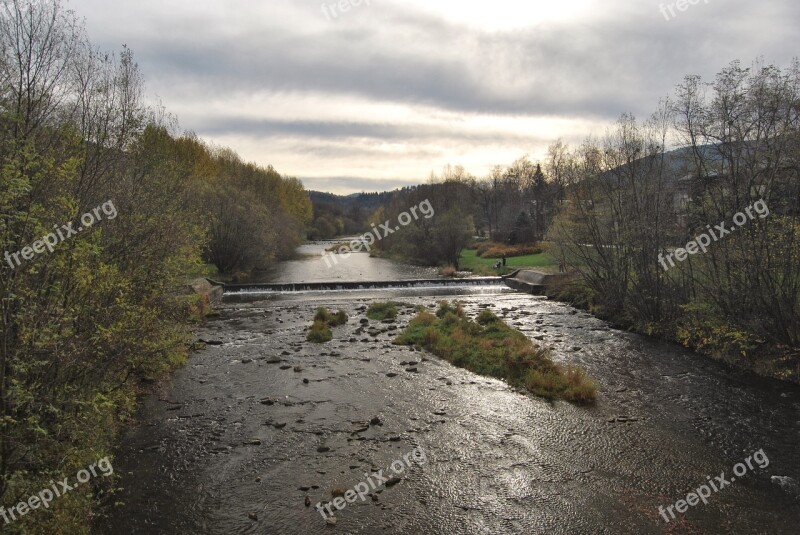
(498, 250)
(706, 331)
(322, 314)
(448, 271)
(319, 333)
(487, 316)
(382, 311)
(340, 318)
(324, 319)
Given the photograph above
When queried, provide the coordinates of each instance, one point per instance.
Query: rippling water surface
(237, 440)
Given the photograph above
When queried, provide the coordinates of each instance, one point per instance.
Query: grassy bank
(490, 347)
(470, 261)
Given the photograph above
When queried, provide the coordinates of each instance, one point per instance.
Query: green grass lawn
(483, 266)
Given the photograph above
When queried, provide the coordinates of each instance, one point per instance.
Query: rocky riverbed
(259, 420)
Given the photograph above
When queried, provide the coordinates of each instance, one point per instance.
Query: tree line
(82, 326)
(632, 201)
(614, 207)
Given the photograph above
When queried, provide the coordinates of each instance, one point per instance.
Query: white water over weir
(259, 288)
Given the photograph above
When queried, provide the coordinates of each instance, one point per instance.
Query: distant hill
(335, 215)
(369, 201)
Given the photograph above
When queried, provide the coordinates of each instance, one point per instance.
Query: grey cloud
(386, 53)
(342, 130)
(622, 59)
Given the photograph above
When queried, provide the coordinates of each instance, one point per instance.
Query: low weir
(258, 288)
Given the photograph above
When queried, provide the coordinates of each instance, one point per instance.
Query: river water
(250, 427)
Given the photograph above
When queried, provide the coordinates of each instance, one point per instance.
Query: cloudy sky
(378, 95)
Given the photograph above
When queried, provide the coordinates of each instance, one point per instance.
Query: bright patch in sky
(506, 14)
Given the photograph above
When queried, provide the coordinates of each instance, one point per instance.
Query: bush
(704, 330)
(448, 271)
(324, 319)
(340, 318)
(319, 333)
(382, 311)
(498, 250)
(322, 314)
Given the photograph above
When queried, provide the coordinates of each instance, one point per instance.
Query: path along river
(240, 436)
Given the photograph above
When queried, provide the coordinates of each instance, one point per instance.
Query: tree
(452, 232)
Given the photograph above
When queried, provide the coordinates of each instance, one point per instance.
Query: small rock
(305, 381)
(323, 449)
(375, 421)
(786, 483)
(412, 370)
(298, 369)
(253, 516)
(285, 367)
(393, 481)
(247, 361)
(308, 501)
(331, 520)
(391, 374)
(274, 360)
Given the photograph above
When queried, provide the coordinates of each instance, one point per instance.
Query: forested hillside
(104, 209)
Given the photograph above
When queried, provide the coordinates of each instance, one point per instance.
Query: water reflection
(311, 267)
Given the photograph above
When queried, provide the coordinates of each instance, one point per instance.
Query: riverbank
(762, 359)
(470, 261)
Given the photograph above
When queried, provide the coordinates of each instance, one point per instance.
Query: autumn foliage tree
(82, 325)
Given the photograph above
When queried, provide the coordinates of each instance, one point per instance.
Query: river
(235, 441)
